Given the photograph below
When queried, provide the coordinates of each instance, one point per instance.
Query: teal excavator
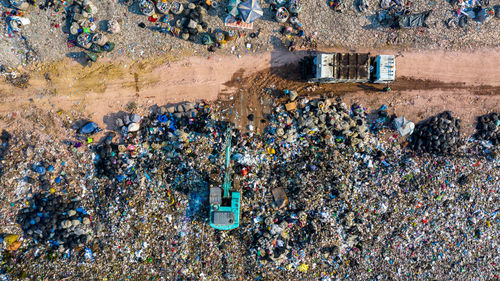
(225, 205)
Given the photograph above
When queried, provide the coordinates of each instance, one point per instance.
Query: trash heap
(118, 160)
(186, 21)
(321, 200)
(110, 160)
(287, 13)
(49, 219)
(190, 22)
(439, 134)
(129, 123)
(468, 11)
(488, 128)
(334, 123)
(83, 30)
(14, 20)
(287, 10)
(396, 14)
(380, 120)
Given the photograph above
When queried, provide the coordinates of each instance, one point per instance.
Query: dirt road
(477, 68)
(426, 80)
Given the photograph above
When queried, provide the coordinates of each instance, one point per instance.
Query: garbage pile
(488, 128)
(287, 13)
(184, 20)
(110, 160)
(83, 30)
(49, 218)
(402, 18)
(379, 121)
(334, 122)
(397, 15)
(119, 160)
(191, 23)
(15, 20)
(478, 11)
(322, 197)
(439, 134)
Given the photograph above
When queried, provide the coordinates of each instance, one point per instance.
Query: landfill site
(249, 140)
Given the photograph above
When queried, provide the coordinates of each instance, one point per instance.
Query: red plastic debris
(244, 171)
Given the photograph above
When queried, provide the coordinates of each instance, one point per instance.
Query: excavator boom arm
(227, 173)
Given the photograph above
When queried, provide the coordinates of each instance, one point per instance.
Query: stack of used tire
(50, 219)
(438, 134)
(488, 128)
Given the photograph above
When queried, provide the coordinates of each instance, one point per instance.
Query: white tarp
(403, 126)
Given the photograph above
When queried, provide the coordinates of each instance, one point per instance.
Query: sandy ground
(474, 68)
(427, 83)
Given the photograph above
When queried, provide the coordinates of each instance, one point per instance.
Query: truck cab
(385, 69)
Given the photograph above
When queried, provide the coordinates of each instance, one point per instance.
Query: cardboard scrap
(291, 106)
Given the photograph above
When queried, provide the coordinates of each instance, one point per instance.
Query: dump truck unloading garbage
(348, 67)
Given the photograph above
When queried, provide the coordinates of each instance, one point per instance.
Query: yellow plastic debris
(52, 190)
(303, 267)
(12, 243)
(14, 246)
(11, 238)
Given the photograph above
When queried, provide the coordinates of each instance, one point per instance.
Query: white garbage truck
(348, 67)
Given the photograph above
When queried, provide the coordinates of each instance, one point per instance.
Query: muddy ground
(427, 83)
(416, 99)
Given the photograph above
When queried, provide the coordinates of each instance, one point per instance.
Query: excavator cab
(225, 205)
(224, 212)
